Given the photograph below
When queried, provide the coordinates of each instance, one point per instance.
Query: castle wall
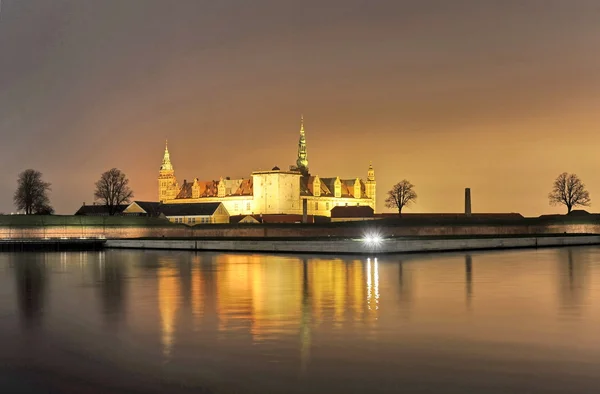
(277, 192)
(353, 230)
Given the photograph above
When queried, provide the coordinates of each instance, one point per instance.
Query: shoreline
(358, 246)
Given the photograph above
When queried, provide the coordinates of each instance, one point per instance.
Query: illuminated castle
(271, 192)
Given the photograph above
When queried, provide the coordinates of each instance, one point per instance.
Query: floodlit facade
(271, 192)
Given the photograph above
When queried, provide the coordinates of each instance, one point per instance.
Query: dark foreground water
(171, 322)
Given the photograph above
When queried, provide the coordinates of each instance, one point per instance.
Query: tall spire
(302, 161)
(371, 172)
(166, 163)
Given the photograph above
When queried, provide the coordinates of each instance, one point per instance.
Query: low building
(195, 213)
(190, 214)
(99, 210)
(352, 213)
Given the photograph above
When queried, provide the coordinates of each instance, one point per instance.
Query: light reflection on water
(177, 321)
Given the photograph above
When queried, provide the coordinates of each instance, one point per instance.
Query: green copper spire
(166, 163)
(302, 161)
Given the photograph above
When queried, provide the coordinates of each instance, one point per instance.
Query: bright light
(372, 239)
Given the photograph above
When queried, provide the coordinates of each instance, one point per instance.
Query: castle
(271, 192)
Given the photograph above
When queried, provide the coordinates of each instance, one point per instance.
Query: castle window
(316, 206)
(248, 206)
(327, 206)
(235, 207)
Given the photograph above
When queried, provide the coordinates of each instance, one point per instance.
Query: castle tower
(167, 183)
(302, 161)
(371, 186)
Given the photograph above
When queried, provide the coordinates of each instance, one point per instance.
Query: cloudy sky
(497, 95)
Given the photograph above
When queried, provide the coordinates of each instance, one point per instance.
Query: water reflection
(168, 302)
(573, 283)
(318, 323)
(31, 288)
(112, 289)
(469, 278)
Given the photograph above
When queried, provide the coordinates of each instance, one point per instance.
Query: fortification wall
(257, 231)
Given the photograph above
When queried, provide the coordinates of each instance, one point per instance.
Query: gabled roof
(185, 191)
(192, 209)
(352, 212)
(98, 210)
(150, 207)
(243, 187)
(328, 187)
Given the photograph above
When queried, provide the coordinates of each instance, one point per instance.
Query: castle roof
(328, 187)
(99, 210)
(243, 187)
(149, 207)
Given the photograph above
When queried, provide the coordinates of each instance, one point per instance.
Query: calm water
(134, 321)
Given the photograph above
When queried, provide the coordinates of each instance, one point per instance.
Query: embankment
(20, 226)
(357, 245)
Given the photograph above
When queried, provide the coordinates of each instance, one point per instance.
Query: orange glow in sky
(500, 97)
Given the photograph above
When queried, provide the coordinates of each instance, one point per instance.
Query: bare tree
(401, 195)
(569, 190)
(31, 195)
(113, 190)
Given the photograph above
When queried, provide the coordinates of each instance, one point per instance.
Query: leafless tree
(401, 195)
(569, 190)
(113, 190)
(31, 195)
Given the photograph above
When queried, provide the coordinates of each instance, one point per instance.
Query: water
(178, 322)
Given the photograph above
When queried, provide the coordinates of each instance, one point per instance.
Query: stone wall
(353, 230)
(349, 246)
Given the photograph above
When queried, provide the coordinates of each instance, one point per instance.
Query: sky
(497, 95)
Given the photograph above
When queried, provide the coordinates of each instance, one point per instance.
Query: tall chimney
(468, 201)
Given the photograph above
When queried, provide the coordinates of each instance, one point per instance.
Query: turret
(167, 183)
(371, 186)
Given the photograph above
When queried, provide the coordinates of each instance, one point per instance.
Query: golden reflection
(372, 284)
(168, 302)
(197, 286)
(305, 320)
(340, 288)
(261, 292)
(269, 296)
(234, 303)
